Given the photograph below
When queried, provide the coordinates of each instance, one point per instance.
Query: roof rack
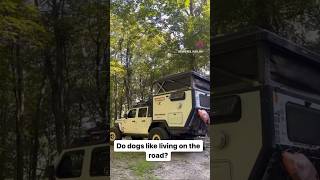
(143, 103)
(180, 81)
(181, 75)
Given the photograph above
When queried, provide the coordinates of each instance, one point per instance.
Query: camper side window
(177, 96)
(226, 109)
(70, 165)
(132, 113)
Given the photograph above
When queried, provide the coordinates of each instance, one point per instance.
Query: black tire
(158, 133)
(136, 138)
(115, 134)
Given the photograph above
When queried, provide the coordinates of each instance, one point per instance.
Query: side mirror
(125, 116)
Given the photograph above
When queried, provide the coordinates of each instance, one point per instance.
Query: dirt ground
(183, 166)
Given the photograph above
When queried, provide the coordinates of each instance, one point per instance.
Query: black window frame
(234, 110)
(293, 129)
(91, 161)
(204, 100)
(146, 112)
(135, 113)
(82, 152)
(177, 96)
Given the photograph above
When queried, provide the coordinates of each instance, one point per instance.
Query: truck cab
(136, 122)
(82, 163)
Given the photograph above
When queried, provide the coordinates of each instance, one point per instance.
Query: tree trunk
(106, 90)
(191, 8)
(127, 80)
(55, 104)
(19, 98)
(116, 96)
(120, 106)
(35, 140)
(56, 75)
(100, 90)
(3, 137)
(142, 87)
(80, 116)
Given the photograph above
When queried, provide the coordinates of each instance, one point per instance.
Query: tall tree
(146, 39)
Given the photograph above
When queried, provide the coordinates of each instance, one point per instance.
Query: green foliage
(20, 22)
(142, 168)
(146, 37)
(29, 37)
(288, 18)
(116, 68)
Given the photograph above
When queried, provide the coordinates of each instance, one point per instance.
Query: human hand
(204, 116)
(299, 166)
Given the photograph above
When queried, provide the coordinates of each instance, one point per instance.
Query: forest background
(151, 39)
(54, 79)
(54, 61)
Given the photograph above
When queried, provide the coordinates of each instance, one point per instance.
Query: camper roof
(182, 80)
(255, 57)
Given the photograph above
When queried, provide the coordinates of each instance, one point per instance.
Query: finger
(288, 160)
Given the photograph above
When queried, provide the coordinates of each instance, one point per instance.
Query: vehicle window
(132, 113)
(177, 96)
(70, 165)
(100, 162)
(150, 112)
(226, 109)
(142, 112)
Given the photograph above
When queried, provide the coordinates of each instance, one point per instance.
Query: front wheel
(158, 134)
(115, 134)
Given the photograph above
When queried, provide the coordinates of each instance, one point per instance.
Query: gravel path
(183, 166)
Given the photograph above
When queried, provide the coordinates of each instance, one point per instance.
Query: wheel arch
(159, 123)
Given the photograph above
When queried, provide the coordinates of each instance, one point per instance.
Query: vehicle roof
(139, 106)
(255, 56)
(246, 37)
(182, 76)
(86, 147)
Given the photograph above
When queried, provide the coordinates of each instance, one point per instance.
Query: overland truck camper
(266, 100)
(173, 111)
